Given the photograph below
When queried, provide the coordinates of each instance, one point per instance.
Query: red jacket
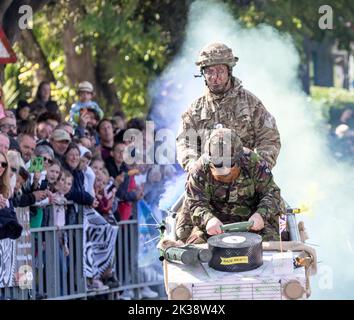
(125, 207)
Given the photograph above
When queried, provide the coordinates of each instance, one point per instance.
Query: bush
(332, 100)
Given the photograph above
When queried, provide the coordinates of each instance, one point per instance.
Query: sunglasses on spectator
(14, 170)
(50, 161)
(4, 165)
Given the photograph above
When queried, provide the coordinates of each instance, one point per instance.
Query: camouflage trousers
(189, 233)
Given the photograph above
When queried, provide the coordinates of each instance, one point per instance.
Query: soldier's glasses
(215, 72)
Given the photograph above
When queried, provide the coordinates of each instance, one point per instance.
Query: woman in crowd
(97, 165)
(100, 237)
(9, 226)
(15, 162)
(22, 111)
(5, 188)
(42, 100)
(77, 193)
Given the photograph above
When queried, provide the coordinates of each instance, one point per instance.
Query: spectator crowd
(47, 162)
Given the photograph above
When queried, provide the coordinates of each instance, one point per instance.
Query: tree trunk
(79, 66)
(324, 65)
(82, 66)
(346, 81)
(33, 52)
(103, 74)
(304, 67)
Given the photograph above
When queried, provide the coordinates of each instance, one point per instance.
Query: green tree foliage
(299, 18)
(331, 99)
(131, 41)
(136, 51)
(118, 36)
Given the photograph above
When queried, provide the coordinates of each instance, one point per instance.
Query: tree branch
(109, 91)
(33, 51)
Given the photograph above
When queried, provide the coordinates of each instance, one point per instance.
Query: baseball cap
(60, 135)
(85, 86)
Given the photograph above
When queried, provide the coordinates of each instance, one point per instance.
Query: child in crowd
(86, 107)
(62, 187)
(20, 199)
(53, 174)
(89, 174)
(97, 165)
(86, 142)
(105, 190)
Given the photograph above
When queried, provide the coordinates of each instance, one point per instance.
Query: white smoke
(305, 171)
(173, 189)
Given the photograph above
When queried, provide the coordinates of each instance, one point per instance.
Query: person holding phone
(85, 113)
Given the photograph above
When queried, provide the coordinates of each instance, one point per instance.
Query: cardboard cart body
(277, 278)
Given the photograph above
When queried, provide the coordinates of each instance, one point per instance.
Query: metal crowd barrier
(59, 278)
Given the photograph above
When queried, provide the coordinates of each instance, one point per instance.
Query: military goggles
(223, 164)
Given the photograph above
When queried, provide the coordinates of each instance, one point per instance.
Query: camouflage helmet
(216, 53)
(224, 148)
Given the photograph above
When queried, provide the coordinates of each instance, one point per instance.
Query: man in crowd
(4, 143)
(51, 119)
(8, 126)
(115, 164)
(59, 142)
(27, 145)
(43, 131)
(105, 132)
(67, 126)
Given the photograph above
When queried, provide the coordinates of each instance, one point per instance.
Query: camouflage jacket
(253, 191)
(237, 109)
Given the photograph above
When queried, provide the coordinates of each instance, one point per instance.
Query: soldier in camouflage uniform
(227, 104)
(240, 189)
